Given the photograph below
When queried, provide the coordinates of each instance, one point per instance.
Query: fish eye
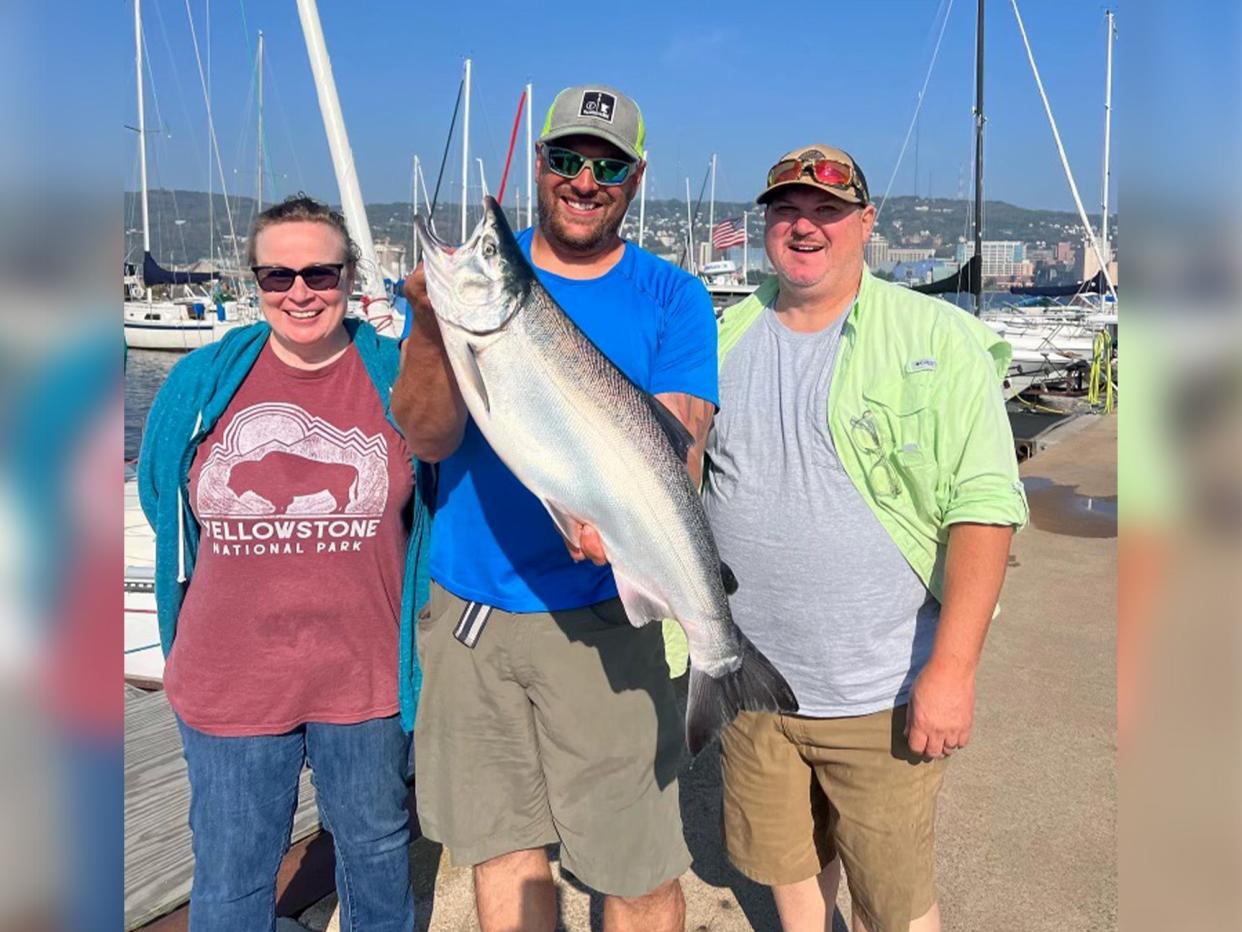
(489, 249)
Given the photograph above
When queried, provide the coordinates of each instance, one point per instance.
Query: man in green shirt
(861, 472)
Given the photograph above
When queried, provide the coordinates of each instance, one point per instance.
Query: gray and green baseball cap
(596, 110)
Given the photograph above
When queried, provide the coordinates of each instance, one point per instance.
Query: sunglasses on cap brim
(832, 173)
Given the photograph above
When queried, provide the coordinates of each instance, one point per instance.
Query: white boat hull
(168, 326)
(144, 660)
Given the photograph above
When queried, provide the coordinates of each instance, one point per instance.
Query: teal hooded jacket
(186, 408)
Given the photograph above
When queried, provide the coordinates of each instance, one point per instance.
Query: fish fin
(675, 430)
(566, 523)
(475, 376)
(713, 703)
(727, 577)
(641, 606)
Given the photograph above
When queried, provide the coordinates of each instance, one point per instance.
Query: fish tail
(714, 702)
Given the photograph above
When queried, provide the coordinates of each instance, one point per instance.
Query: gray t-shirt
(823, 591)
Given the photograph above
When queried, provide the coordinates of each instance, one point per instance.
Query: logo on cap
(599, 105)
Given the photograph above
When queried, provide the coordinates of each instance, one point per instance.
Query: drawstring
(181, 577)
(180, 538)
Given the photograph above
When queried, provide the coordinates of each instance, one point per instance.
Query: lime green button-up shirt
(917, 417)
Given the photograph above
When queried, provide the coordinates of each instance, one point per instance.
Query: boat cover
(966, 279)
(155, 274)
(1096, 285)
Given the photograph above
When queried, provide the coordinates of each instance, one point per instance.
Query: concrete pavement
(1027, 817)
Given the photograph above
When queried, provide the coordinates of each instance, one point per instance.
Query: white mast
(342, 158)
(1108, 132)
(530, 149)
(142, 135)
(465, 155)
(482, 183)
(211, 197)
(711, 211)
(642, 203)
(414, 214)
(422, 183)
(745, 248)
(689, 230)
(1056, 137)
(260, 204)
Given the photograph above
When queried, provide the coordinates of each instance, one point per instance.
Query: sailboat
(190, 321)
(1047, 344)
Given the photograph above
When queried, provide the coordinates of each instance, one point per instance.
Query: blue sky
(711, 77)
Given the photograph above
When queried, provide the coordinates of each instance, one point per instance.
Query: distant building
(1001, 258)
(1065, 253)
(910, 254)
(915, 272)
(875, 253)
(1089, 263)
(391, 259)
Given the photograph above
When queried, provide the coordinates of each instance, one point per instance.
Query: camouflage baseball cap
(596, 110)
(818, 166)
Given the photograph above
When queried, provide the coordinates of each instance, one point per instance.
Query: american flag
(728, 233)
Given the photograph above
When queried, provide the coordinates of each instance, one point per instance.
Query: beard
(604, 230)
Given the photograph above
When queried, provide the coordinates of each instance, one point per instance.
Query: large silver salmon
(595, 449)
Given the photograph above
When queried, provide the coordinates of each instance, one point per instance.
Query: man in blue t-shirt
(544, 716)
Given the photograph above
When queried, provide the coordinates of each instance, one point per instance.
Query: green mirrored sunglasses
(567, 163)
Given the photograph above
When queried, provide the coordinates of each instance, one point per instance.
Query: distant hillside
(180, 227)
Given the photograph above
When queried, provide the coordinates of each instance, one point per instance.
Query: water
(1061, 509)
(145, 371)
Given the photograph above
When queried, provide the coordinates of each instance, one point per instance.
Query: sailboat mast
(711, 211)
(642, 204)
(343, 159)
(414, 213)
(689, 230)
(259, 207)
(142, 131)
(530, 184)
(1108, 133)
(465, 155)
(978, 286)
(745, 247)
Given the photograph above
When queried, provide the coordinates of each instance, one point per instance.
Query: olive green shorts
(800, 791)
(554, 727)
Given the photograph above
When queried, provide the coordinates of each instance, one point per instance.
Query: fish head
(480, 285)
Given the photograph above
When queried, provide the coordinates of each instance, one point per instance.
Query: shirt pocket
(900, 409)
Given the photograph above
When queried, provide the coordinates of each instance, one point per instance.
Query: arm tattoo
(695, 415)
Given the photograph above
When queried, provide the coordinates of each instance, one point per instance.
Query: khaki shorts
(799, 791)
(555, 727)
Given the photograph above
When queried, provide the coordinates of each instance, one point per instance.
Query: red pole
(500, 195)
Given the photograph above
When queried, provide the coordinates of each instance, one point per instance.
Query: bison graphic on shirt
(281, 477)
(276, 459)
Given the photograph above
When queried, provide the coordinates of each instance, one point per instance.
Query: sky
(738, 79)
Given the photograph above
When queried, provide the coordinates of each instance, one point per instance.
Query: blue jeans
(243, 793)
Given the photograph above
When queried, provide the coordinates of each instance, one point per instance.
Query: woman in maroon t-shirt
(287, 641)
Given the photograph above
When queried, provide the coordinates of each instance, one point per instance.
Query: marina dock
(159, 864)
(1027, 819)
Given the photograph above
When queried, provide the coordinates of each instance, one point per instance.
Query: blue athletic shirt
(494, 542)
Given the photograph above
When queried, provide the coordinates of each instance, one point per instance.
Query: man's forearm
(426, 402)
(974, 571)
(695, 415)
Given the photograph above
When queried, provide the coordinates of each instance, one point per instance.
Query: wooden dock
(158, 860)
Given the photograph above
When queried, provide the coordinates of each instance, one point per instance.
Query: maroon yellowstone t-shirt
(303, 493)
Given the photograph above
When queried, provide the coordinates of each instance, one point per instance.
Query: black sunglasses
(323, 276)
(567, 163)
